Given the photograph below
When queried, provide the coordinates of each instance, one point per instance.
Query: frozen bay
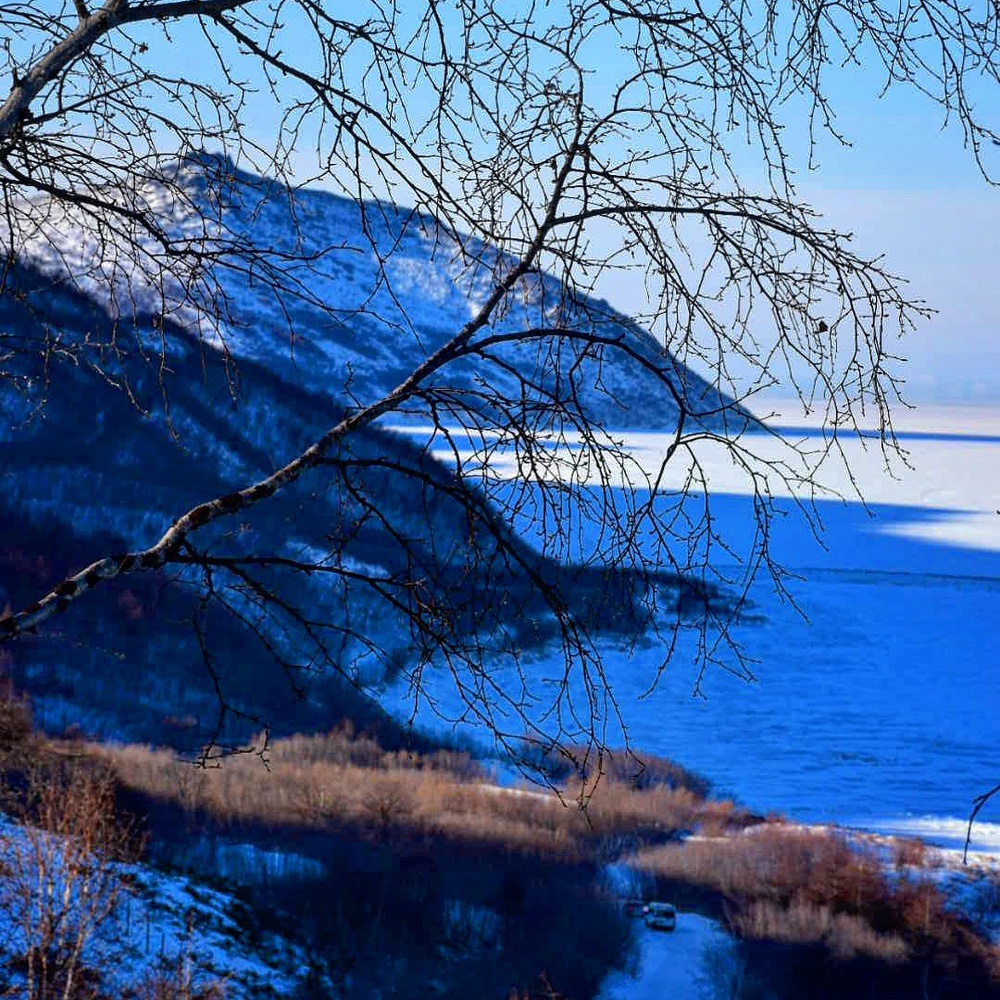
(879, 705)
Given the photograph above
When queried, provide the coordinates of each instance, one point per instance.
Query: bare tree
(62, 877)
(540, 149)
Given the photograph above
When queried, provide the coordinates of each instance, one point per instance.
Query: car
(661, 916)
(634, 908)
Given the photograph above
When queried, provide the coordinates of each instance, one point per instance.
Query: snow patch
(162, 924)
(128, 274)
(946, 832)
(673, 964)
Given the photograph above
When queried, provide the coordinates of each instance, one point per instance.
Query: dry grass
(341, 779)
(773, 862)
(846, 935)
(908, 852)
(792, 885)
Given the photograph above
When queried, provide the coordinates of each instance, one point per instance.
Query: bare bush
(909, 852)
(388, 805)
(318, 782)
(801, 922)
(62, 879)
(15, 717)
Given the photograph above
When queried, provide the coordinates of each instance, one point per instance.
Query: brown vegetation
(417, 856)
(341, 779)
(424, 854)
(15, 716)
(829, 903)
(800, 922)
(833, 898)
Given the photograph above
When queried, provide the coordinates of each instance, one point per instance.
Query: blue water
(884, 701)
(881, 702)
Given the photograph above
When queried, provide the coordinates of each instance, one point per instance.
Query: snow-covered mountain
(109, 431)
(348, 298)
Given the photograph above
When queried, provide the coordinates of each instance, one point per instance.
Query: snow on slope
(163, 925)
(175, 920)
(385, 288)
(63, 242)
(947, 834)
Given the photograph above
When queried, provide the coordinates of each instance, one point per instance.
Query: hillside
(108, 434)
(368, 291)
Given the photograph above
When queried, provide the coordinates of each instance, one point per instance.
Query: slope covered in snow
(151, 926)
(356, 295)
(120, 411)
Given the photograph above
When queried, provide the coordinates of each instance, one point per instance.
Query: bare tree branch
(539, 152)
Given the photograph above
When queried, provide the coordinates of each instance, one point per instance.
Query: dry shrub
(909, 852)
(845, 935)
(775, 863)
(388, 804)
(634, 769)
(928, 920)
(813, 887)
(643, 771)
(341, 778)
(853, 937)
(800, 923)
(717, 818)
(616, 807)
(344, 745)
(15, 717)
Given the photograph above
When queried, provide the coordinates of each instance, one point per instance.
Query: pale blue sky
(906, 187)
(909, 190)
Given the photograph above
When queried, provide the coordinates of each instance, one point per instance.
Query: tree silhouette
(539, 149)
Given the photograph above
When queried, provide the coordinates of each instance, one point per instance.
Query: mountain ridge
(106, 442)
(384, 288)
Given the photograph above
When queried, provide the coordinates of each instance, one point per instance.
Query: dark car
(661, 916)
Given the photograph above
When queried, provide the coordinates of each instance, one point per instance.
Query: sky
(908, 189)
(946, 242)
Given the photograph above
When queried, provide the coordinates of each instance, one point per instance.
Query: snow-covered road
(672, 966)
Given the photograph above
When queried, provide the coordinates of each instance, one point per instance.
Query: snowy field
(881, 709)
